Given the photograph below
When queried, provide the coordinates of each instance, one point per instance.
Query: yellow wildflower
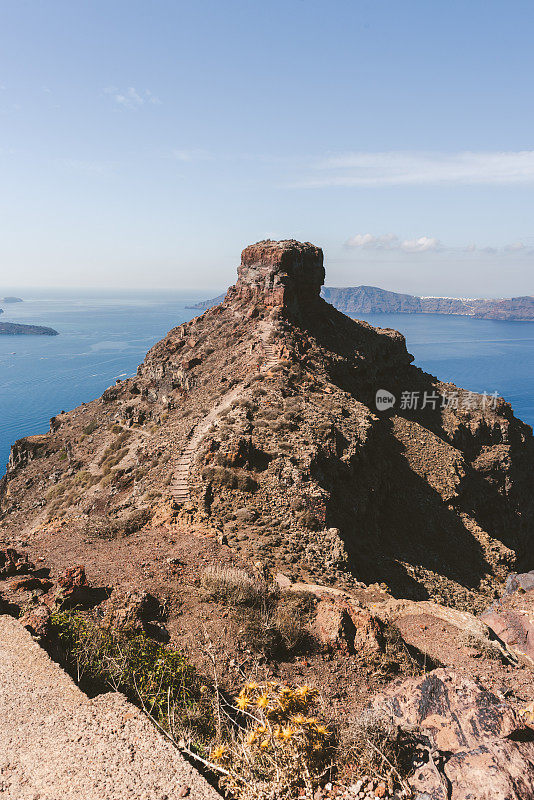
(251, 686)
(321, 730)
(299, 719)
(262, 701)
(287, 733)
(218, 752)
(264, 744)
(242, 703)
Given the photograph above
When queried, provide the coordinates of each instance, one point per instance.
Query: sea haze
(104, 336)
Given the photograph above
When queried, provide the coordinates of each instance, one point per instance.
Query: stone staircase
(180, 488)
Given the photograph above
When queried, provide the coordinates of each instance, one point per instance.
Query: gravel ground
(56, 744)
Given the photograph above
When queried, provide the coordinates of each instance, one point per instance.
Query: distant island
(373, 300)
(11, 300)
(17, 329)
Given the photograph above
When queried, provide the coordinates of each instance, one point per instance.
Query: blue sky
(144, 144)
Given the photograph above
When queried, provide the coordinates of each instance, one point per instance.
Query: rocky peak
(287, 275)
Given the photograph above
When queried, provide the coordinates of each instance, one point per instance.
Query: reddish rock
(31, 583)
(73, 579)
(13, 563)
(131, 610)
(342, 625)
(72, 589)
(475, 749)
(286, 274)
(37, 621)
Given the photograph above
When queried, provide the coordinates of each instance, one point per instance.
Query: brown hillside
(256, 422)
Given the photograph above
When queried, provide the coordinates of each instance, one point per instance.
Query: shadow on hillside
(394, 518)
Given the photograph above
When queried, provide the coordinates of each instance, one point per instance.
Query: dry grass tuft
(378, 746)
(234, 586)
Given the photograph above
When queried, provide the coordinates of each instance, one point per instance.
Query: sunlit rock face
(287, 275)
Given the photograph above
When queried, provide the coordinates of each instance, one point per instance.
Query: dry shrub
(280, 750)
(378, 746)
(399, 658)
(486, 646)
(233, 585)
(230, 478)
(86, 479)
(106, 528)
(280, 627)
(270, 413)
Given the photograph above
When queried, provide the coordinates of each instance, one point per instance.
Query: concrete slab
(57, 744)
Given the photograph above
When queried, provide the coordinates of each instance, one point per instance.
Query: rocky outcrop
(512, 617)
(13, 563)
(27, 449)
(474, 746)
(339, 623)
(268, 402)
(287, 275)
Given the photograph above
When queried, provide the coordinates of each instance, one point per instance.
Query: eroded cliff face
(298, 471)
(286, 275)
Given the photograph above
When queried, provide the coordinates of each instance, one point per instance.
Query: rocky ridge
(250, 438)
(433, 502)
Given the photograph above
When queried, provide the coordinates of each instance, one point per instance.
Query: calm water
(102, 337)
(105, 336)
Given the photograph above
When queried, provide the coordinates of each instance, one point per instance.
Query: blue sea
(104, 336)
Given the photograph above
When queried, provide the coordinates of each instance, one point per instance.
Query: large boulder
(343, 625)
(512, 617)
(475, 745)
(134, 611)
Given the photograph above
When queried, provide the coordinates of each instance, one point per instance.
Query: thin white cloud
(389, 241)
(396, 168)
(428, 244)
(131, 98)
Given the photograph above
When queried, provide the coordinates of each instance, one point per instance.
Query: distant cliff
(203, 305)
(16, 329)
(372, 300)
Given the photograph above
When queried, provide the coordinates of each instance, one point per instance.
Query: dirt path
(180, 488)
(56, 744)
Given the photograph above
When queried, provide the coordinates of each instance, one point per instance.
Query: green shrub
(146, 671)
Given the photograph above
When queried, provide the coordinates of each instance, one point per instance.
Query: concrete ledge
(57, 744)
